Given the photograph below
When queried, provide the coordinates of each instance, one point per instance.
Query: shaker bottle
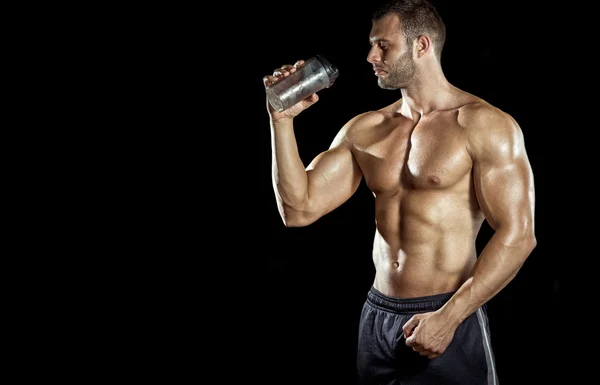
(314, 75)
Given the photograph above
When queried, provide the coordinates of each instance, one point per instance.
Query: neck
(430, 91)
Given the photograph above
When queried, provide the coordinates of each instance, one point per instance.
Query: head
(403, 33)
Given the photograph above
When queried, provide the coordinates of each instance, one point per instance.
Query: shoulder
(374, 117)
(363, 124)
(480, 116)
(489, 130)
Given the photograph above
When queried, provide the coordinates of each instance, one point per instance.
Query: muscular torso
(426, 212)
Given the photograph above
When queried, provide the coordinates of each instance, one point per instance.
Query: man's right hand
(297, 108)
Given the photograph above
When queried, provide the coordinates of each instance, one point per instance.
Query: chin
(385, 85)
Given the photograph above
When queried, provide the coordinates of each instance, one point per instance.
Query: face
(390, 54)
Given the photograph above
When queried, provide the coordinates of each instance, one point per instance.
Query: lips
(378, 71)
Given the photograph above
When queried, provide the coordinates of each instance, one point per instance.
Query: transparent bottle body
(311, 77)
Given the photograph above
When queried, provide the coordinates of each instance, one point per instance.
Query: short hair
(418, 17)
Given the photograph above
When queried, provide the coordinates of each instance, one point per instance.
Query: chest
(427, 155)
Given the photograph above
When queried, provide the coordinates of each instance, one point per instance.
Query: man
(439, 162)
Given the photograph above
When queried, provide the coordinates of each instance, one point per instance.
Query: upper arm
(503, 177)
(333, 175)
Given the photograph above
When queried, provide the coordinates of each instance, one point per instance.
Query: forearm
(498, 264)
(288, 172)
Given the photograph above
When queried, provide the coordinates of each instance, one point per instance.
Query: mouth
(378, 71)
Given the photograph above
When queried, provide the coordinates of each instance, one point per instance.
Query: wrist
(453, 313)
(282, 121)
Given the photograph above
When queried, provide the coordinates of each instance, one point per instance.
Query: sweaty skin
(439, 161)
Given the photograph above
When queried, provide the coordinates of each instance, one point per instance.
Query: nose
(374, 56)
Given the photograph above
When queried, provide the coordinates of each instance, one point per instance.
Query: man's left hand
(429, 334)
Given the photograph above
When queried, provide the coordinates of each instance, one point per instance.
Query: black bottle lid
(332, 70)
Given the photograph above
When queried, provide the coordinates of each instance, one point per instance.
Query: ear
(423, 45)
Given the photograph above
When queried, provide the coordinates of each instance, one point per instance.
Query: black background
(182, 269)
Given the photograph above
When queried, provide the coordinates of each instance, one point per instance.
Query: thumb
(312, 99)
(410, 326)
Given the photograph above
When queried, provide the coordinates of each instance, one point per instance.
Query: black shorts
(384, 358)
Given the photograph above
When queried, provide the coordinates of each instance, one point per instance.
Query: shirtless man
(439, 162)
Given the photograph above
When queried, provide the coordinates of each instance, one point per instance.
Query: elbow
(527, 242)
(293, 222)
(531, 243)
(520, 239)
(521, 234)
(292, 217)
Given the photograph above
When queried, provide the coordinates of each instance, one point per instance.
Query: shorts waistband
(407, 305)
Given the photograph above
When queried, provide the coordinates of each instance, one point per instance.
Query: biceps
(333, 177)
(506, 194)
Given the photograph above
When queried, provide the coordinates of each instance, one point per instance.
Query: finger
(280, 72)
(312, 99)
(420, 350)
(268, 80)
(411, 341)
(284, 70)
(410, 326)
(288, 68)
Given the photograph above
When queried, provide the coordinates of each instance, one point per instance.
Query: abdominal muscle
(423, 245)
